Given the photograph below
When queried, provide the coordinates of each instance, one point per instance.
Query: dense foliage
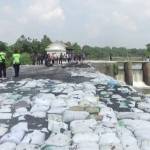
(28, 46)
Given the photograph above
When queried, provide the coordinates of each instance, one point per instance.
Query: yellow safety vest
(16, 58)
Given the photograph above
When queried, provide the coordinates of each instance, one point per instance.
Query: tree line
(28, 46)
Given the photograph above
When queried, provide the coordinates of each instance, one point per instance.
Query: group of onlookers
(16, 63)
(48, 58)
(38, 59)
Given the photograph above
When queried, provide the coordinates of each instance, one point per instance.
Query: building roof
(56, 47)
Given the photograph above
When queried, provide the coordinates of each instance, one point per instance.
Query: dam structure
(135, 73)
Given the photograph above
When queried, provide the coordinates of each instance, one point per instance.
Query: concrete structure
(136, 73)
(146, 72)
(56, 48)
(128, 73)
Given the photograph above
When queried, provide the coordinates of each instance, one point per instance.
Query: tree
(36, 46)
(147, 53)
(45, 42)
(76, 47)
(23, 44)
(3, 46)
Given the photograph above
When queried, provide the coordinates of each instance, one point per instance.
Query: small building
(56, 49)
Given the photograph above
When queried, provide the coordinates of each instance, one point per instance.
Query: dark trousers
(2, 70)
(60, 60)
(16, 69)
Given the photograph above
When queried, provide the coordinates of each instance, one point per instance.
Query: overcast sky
(94, 22)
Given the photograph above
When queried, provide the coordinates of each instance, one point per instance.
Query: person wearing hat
(16, 62)
(2, 64)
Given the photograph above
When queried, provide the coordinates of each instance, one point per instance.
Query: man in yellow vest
(2, 64)
(16, 62)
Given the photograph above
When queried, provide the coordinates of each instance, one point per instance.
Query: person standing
(16, 62)
(60, 58)
(2, 64)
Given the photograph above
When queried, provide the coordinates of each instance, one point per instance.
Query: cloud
(95, 22)
(46, 10)
(124, 21)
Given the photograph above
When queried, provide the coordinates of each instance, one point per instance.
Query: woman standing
(16, 62)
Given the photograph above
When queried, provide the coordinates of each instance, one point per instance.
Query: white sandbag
(3, 130)
(58, 103)
(91, 98)
(137, 110)
(145, 145)
(38, 107)
(71, 102)
(27, 147)
(20, 112)
(78, 95)
(57, 110)
(49, 147)
(22, 126)
(5, 109)
(85, 138)
(87, 146)
(39, 114)
(144, 106)
(100, 130)
(127, 139)
(83, 126)
(88, 86)
(16, 133)
(56, 127)
(136, 124)
(132, 115)
(55, 117)
(69, 115)
(35, 138)
(108, 139)
(58, 140)
(5, 116)
(8, 146)
(111, 147)
(142, 134)
(109, 117)
(44, 99)
(13, 136)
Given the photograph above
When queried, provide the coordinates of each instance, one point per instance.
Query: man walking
(16, 62)
(2, 64)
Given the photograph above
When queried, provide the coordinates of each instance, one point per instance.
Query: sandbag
(57, 127)
(83, 126)
(8, 146)
(85, 138)
(108, 141)
(109, 117)
(69, 115)
(133, 115)
(127, 139)
(87, 146)
(58, 140)
(35, 138)
(27, 147)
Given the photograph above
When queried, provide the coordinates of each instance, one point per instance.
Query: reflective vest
(16, 58)
(2, 56)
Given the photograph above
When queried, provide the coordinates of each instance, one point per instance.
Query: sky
(120, 23)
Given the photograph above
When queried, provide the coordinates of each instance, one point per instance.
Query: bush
(26, 59)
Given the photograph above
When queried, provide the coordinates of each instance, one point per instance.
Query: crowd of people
(51, 59)
(38, 59)
(16, 63)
